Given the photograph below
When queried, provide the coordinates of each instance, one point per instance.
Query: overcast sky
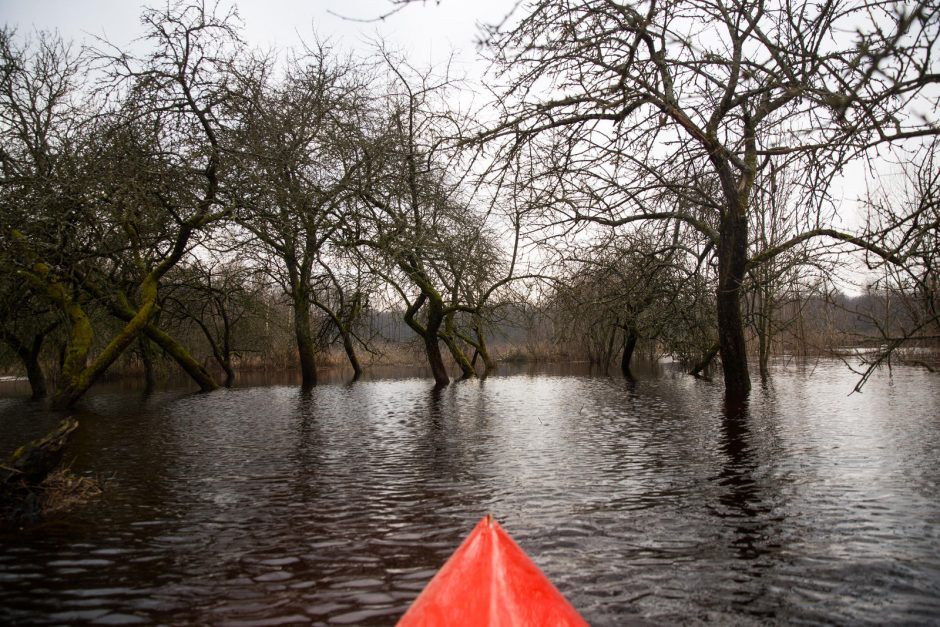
(428, 31)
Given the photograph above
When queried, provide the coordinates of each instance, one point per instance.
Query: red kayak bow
(490, 581)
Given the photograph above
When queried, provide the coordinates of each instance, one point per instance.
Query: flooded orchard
(642, 499)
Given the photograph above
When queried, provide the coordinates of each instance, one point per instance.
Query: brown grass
(62, 490)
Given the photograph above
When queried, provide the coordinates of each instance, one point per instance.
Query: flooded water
(642, 501)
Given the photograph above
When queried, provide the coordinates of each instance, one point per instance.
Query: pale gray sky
(428, 31)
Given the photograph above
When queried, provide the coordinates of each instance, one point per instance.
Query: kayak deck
(490, 581)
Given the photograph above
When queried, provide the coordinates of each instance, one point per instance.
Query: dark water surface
(646, 499)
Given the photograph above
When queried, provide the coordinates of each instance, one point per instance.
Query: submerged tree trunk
(488, 364)
(229, 372)
(222, 354)
(466, 367)
(344, 327)
(432, 345)
(34, 372)
(429, 334)
(226, 348)
(610, 351)
(450, 340)
(435, 359)
(763, 353)
(29, 355)
(306, 347)
(171, 347)
(350, 349)
(629, 344)
(77, 375)
(763, 310)
(146, 357)
(732, 262)
(181, 356)
(703, 363)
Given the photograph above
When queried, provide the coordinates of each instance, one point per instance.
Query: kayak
(490, 581)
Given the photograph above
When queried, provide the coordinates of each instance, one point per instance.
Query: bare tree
(131, 181)
(40, 115)
(297, 140)
(219, 298)
(26, 323)
(414, 217)
(343, 291)
(635, 92)
(776, 287)
(631, 284)
(905, 219)
(431, 227)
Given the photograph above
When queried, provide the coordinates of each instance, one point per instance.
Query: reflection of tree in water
(747, 507)
(441, 447)
(742, 499)
(307, 457)
(377, 472)
(431, 496)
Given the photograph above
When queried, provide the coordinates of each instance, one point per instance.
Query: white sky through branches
(428, 32)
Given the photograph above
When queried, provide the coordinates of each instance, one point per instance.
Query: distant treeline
(262, 338)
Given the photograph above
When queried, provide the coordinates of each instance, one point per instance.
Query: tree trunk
(226, 361)
(29, 355)
(34, 373)
(763, 353)
(450, 341)
(466, 368)
(732, 262)
(431, 344)
(765, 327)
(629, 344)
(350, 349)
(77, 378)
(146, 357)
(488, 364)
(703, 363)
(429, 334)
(609, 353)
(181, 356)
(306, 348)
(222, 354)
(176, 351)
(229, 372)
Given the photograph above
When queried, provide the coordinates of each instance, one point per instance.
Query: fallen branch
(32, 481)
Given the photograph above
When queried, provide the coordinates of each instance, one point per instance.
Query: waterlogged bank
(639, 499)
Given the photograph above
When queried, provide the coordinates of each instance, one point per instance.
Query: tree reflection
(742, 498)
(746, 505)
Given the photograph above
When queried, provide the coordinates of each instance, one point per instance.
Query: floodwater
(643, 501)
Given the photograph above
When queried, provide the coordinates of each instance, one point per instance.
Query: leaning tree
(109, 188)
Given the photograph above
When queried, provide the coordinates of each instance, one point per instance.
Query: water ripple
(641, 500)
